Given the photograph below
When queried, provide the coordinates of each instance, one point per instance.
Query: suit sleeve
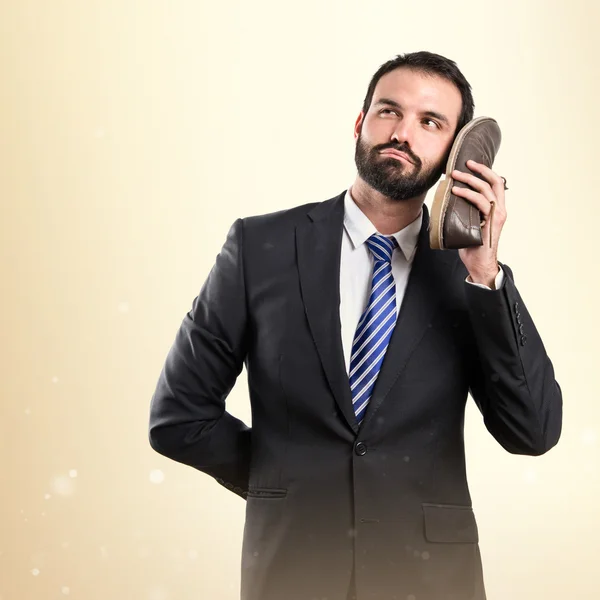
(512, 377)
(188, 420)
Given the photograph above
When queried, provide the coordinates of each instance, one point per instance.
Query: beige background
(132, 134)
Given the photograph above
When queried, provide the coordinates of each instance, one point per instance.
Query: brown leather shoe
(455, 222)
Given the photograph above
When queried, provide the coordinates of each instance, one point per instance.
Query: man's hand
(481, 261)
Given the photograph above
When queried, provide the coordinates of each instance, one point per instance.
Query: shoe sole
(444, 189)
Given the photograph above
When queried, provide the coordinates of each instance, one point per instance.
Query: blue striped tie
(375, 327)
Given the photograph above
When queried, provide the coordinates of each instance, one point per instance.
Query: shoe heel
(438, 209)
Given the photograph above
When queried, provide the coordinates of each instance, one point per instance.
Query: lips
(396, 154)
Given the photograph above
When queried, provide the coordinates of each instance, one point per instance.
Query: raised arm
(512, 378)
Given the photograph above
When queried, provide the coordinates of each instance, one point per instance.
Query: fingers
(483, 203)
(493, 181)
(484, 193)
(480, 200)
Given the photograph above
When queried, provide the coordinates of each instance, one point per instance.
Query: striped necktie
(375, 327)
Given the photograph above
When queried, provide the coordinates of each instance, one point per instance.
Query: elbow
(551, 426)
(540, 444)
(550, 438)
(182, 442)
(158, 441)
(543, 446)
(532, 448)
(167, 440)
(545, 427)
(533, 440)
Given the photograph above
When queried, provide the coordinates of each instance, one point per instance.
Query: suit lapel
(421, 300)
(319, 245)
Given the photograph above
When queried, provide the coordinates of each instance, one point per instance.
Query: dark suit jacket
(388, 502)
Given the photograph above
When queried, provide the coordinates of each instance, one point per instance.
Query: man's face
(410, 113)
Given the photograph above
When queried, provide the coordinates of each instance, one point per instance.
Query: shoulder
(283, 222)
(292, 215)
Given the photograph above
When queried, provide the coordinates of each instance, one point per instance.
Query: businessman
(361, 345)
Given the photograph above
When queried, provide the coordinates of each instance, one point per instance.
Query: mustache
(399, 148)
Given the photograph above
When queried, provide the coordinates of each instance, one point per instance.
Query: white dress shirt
(356, 267)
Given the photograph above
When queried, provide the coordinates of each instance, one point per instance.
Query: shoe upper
(479, 140)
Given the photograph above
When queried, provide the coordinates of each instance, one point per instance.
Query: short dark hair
(433, 64)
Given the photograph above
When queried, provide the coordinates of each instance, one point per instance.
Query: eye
(432, 121)
(387, 111)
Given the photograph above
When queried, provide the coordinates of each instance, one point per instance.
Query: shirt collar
(359, 228)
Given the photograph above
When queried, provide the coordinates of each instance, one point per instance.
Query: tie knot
(382, 247)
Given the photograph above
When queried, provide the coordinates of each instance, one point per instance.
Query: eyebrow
(428, 113)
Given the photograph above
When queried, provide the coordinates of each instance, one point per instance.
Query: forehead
(420, 92)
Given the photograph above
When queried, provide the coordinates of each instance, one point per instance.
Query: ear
(358, 124)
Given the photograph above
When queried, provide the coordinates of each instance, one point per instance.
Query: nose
(403, 132)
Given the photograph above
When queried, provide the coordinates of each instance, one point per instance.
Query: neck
(388, 216)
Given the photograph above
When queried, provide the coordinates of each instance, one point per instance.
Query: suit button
(516, 306)
(523, 340)
(229, 485)
(518, 315)
(521, 328)
(360, 449)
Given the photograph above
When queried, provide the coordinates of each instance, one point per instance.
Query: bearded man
(361, 344)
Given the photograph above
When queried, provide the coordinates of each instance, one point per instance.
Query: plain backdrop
(132, 135)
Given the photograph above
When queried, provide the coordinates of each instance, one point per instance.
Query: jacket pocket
(256, 492)
(450, 523)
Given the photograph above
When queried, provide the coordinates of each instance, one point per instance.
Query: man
(361, 344)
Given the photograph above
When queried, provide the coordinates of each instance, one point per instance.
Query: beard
(394, 178)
